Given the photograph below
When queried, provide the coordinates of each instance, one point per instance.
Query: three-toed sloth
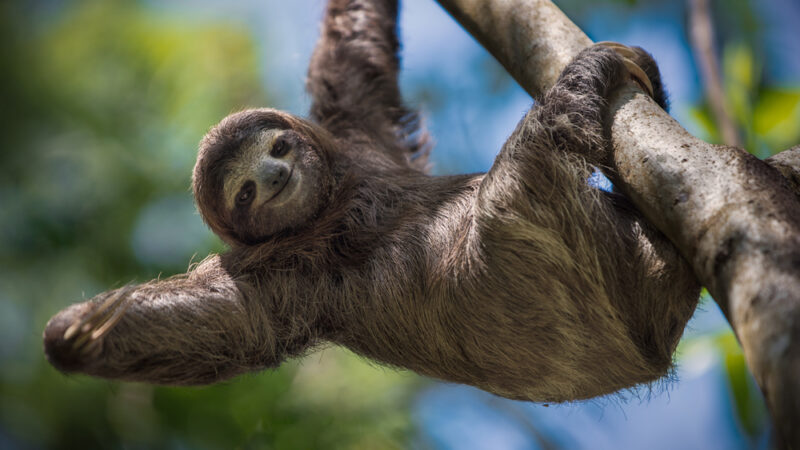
(524, 281)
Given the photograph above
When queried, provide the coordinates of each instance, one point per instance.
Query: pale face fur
(244, 170)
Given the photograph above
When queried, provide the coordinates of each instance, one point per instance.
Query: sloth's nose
(273, 173)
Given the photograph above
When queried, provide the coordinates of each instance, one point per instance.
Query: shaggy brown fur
(525, 281)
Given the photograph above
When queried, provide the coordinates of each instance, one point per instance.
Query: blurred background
(102, 104)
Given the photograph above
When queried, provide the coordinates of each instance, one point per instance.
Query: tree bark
(733, 217)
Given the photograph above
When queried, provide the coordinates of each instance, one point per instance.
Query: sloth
(525, 281)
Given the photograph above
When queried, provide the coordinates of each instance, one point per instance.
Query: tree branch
(533, 40)
(733, 217)
(788, 164)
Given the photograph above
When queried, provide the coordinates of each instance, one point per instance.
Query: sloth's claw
(639, 76)
(622, 49)
(628, 56)
(103, 328)
(94, 326)
(85, 323)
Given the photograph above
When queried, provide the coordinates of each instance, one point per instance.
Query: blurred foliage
(747, 399)
(103, 103)
(767, 115)
(748, 405)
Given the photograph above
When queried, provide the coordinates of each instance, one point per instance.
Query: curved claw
(88, 331)
(636, 72)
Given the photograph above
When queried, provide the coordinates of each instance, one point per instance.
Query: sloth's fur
(524, 281)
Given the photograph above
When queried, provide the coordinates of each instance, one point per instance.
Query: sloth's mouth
(282, 188)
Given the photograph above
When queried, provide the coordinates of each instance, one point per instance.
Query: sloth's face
(260, 172)
(277, 180)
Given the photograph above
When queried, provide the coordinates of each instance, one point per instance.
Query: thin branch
(701, 34)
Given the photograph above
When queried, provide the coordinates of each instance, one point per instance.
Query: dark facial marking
(246, 194)
(280, 148)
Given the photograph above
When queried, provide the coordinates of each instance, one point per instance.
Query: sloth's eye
(280, 148)
(246, 194)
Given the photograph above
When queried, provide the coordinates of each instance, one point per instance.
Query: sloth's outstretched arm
(200, 328)
(352, 77)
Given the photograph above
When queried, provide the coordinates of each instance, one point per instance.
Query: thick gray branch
(532, 39)
(733, 217)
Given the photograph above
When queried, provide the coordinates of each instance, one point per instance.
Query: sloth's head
(262, 171)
